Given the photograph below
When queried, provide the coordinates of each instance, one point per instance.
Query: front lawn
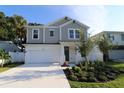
(117, 83)
(9, 66)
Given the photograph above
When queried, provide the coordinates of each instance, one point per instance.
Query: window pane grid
(51, 33)
(74, 34)
(77, 34)
(35, 34)
(71, 33)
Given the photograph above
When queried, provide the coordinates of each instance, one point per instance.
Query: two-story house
(117, 39)
(54, 42)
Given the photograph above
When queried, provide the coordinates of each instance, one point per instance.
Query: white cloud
(93, 16)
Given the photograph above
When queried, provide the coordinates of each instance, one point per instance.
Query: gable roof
(64, 21)
(75, 21)
(59, 21)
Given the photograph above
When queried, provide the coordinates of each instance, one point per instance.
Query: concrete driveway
(34, 75)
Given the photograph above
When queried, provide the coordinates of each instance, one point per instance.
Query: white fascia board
(87, 27)
(42, 26)
(69, 22)
(41, 45)
(66, 23)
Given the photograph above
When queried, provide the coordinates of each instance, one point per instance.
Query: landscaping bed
(98, 74)
(9, 66)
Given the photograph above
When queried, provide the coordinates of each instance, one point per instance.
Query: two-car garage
(42, 53)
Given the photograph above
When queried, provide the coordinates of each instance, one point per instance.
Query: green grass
(9, 66)
(117, 83)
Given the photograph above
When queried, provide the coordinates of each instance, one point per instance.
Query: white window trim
(33, 34)
(74, 33)
(53, 33)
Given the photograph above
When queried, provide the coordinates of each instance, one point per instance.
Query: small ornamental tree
(4, 56)
(105, 45)
(85, 47)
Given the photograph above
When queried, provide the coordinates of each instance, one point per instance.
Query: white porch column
(62, 55)
(76, 55)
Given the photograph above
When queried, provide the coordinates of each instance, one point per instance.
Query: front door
(66, 51)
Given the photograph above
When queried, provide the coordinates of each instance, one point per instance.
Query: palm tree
(3, 31)
(105, 45)
(10, 28)
(20, 23)
(4, 56)
(85, 47)
(2, 20)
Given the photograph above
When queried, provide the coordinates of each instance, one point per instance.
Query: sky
(98, 18)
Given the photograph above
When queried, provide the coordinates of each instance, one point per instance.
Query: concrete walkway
(34, 76)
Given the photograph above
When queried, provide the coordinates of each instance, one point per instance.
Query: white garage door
(43, 54)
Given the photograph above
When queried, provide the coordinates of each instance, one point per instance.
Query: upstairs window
(51, 33)
(35, 34)
(74, 34)
(111, 37)
(71, 33)
(122, 37)
(77, 34)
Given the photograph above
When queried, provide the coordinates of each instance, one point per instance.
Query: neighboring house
(117, 39)
(9, 46)
(54, 42)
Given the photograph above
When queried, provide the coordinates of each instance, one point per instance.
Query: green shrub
(80, 65)
(102, 78)
(110, 77)
(96, 72)
(84, 74)
(91, 69)
(115, 71)
(102, 73)
(112, 74)
(91, 64)
(79, 74)
(121, 70)
(69, 71)
(76, 69)
(91, 74)
(92, 79)
(73, 77)
(83, 79)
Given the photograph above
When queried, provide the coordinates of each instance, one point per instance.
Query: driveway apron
(45, 75)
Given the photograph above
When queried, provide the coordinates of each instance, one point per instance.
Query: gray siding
(55, 38)
(29, 33)
(64, 31)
